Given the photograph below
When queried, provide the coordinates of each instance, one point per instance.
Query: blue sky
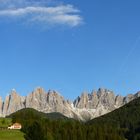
(69, 46)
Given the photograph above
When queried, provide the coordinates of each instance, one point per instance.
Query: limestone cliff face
(47, 102)
(39, 99)
(12, 103)
(100, 102)
(36, 100)
(102, 97)
(85, 107)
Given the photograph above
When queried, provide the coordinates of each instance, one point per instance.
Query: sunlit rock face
(85, 107)
(12, 103)
(39, 99)
(47, 102)
(97, 103)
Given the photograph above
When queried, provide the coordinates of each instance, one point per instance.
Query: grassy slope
(11, 135)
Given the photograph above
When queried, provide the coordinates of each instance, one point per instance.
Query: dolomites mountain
(85, 107)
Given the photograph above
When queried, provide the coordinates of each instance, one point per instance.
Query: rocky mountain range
(85, 107)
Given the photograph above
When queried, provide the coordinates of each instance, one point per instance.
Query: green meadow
(9, 134)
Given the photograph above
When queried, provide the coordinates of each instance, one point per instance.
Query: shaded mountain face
(85, 107)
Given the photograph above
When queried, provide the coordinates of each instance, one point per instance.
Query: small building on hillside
(15, 126)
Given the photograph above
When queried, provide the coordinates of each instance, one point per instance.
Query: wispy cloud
(39, 12)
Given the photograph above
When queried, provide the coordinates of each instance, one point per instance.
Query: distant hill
(56, 116)
(32, 114)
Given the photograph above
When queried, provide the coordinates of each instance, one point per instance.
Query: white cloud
(38, 12)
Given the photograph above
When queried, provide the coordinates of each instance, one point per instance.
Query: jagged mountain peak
(103, 91)
(84, 107)
(53, 92)
(13, 94)
(39, 90)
